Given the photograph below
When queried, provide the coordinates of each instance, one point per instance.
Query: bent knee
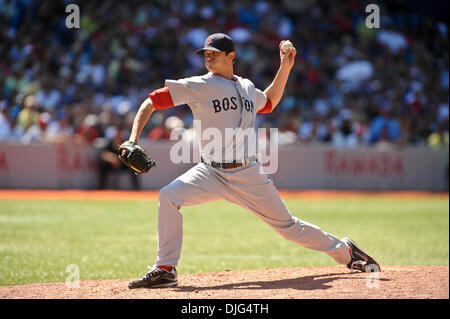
(173, 193)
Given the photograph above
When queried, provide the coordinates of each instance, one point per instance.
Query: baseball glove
(133, 156)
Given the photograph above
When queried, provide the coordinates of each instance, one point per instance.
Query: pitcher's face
(218, 61)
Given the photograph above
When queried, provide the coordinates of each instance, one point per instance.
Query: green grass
(117, 239)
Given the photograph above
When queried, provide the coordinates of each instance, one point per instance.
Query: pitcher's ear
(232, 54)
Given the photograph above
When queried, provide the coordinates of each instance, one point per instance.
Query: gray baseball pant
(247, 187)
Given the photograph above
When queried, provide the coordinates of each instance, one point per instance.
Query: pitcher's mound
(337, 282)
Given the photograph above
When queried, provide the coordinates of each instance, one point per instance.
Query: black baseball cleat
(156, 278)
(360, 260)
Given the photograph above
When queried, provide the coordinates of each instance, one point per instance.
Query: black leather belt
(226, 165)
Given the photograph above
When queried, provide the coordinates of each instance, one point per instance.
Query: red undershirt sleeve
(161, 98)
(267, 108)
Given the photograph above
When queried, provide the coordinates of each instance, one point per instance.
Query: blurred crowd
(351, 85)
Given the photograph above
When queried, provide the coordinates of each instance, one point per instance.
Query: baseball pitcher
(222, 100)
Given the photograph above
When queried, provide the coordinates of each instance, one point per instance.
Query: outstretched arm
(275, 90)
(142, 116)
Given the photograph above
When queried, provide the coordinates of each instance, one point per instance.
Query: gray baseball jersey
(223, 104)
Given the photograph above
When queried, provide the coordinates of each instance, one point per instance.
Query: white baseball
(286, 46)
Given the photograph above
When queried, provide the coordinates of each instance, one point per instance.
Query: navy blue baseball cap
(218, 42)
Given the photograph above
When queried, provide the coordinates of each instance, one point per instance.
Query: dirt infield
(337, 282)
